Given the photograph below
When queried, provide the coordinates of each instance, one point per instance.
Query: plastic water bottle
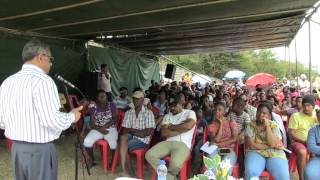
(254, 178)
(162, 170)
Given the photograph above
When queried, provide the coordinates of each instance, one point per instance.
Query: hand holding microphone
(77, 113)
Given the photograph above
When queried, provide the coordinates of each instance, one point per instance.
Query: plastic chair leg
(105, 157)
(140, 165)
(115, 160)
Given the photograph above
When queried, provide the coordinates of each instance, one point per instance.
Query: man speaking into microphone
(30, 116)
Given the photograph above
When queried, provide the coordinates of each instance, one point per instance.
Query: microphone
(60, 78)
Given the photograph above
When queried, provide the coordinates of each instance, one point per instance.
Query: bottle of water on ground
(162, 170)
(254, 178)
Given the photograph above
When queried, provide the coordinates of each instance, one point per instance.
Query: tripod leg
(76, 161)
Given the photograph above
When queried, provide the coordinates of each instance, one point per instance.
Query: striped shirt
(29, 107)
(144, 120)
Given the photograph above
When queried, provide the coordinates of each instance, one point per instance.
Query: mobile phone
(224, 151)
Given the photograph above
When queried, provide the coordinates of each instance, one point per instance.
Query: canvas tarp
(162, 27)
(69, 57)
(128, 69)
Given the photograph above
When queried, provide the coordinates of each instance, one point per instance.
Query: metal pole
(285, 57)
(309, 25)
(289, 61)
(296, 55)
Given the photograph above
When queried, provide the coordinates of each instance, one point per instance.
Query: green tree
(250, 62)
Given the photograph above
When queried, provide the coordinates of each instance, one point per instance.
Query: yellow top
(301, 123)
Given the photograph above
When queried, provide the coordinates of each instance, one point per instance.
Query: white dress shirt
(29, 107)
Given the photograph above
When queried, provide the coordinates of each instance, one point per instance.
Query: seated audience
(138, 125)
(123, 101)
(178, 128)
(103, 116)
(161, 102)
(264, 149)
(223, 133)
(242, 118)
(299, 125)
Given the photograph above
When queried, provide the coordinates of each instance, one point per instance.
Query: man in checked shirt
(138, 125)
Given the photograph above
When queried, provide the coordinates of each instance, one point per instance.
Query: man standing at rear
(30, 116)
(104, 81)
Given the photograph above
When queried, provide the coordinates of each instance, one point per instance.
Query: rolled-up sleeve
(47, 105)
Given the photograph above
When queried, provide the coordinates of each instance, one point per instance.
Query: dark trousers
(33, 161)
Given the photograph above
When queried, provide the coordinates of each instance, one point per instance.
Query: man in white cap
(304, 84)
(137, 128)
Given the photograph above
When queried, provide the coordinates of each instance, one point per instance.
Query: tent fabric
(127, 69)
(69, 57)
(162, 27)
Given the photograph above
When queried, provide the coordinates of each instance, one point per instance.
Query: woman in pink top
(223, 133)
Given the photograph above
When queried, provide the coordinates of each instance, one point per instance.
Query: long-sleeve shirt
(29, 107)
(313, 141)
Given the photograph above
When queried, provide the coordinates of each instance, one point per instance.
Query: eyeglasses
(51, 58)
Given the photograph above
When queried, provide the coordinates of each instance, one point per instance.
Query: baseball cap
(174, 100)
(138, 94)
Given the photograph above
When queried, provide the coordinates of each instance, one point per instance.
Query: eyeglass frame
(51, 58)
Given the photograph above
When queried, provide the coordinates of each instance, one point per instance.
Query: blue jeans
(134, 143)
(233, 159)
(256, 163)
(312, 172)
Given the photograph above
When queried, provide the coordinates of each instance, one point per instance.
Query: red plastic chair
(267, 175)
(139, 153)
(186, 166)
(121, 115)
(9, 144)
(116, 152)
(293, 162)
(104, 150)
(104, 145)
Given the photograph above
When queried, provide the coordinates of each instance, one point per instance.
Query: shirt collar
(32, 67)
(142, 109)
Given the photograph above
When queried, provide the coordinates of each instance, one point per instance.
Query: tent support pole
(289, 60)
(296, 55)
(309, 28)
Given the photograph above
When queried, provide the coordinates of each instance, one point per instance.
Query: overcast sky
(302, 40)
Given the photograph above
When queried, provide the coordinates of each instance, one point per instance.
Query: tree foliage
(250, 62)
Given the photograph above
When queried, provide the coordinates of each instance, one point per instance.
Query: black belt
(25, 142)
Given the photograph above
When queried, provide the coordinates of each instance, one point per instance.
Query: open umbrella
(201, 79)
(261, 78)
(234, 74)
